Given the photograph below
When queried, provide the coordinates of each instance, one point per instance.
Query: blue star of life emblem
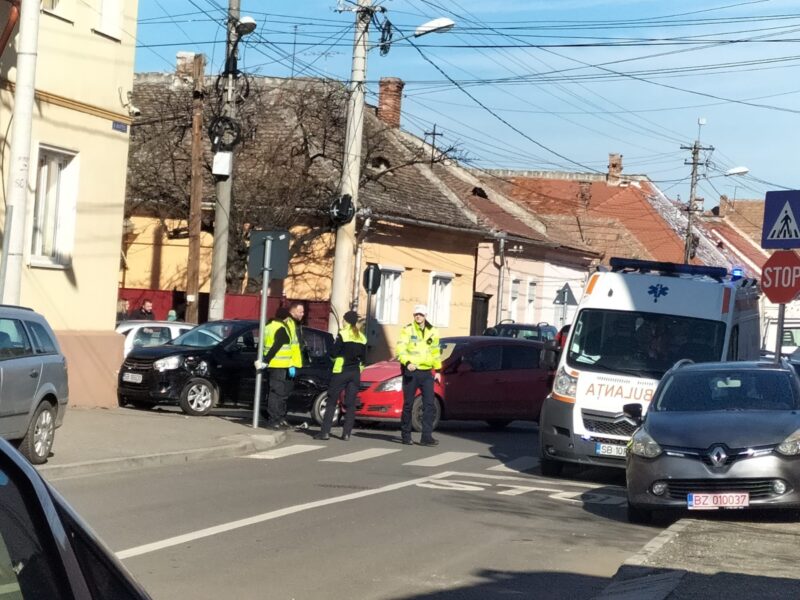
(658, 290)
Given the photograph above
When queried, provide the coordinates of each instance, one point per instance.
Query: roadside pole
(196, 201)
(262, 323)
(779, 332)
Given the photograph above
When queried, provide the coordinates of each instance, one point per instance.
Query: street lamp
(733, 172)
(351, 164)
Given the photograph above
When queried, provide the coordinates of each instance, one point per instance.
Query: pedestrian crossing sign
(781, 228)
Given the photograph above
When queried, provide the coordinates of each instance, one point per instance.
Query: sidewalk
(103, 440)
(722, 556)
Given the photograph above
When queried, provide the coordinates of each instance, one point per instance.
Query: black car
(541, 332)
(213, 365)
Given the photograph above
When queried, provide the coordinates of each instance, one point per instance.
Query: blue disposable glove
(292, 372)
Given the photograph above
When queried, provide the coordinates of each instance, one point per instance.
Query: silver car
(717, 436)
(33, 382)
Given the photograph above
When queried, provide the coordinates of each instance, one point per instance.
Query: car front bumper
(685, 475)
(379, 406)
(156, 386)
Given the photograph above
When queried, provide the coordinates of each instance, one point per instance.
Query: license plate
(610, 450)
(718, 500)
(132, 377)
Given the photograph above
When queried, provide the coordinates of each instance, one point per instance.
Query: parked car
(497, 380)
(46, 550)
(716, 436)
(213, 364)
(526, 331)
(33, 382)
(140, 334)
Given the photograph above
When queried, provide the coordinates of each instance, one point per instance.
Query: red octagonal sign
(780, 276)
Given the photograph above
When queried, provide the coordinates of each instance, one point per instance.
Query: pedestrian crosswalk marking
(522, 463)
(785, 227)
(362, 455)
(437, 460)
(286, 451)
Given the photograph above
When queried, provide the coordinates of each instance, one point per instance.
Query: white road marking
(286, 451)
(269, 516)
(523, 463)
(437, 460)
(541, 480)
(361, 455)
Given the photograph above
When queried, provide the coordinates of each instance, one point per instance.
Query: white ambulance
(632, 324)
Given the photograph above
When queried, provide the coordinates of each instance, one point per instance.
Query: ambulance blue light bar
(645, 266)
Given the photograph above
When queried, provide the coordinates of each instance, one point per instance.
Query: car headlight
(642, 444)
(167, 364)
(395, 384)
(565, 384)
(791, 445)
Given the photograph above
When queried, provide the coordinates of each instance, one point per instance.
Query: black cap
(350, 317)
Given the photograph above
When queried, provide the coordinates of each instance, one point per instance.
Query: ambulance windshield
(641, 343)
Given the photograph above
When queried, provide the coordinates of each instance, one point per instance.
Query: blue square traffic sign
(781, 227)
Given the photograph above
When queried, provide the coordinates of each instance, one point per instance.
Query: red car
(497, 380)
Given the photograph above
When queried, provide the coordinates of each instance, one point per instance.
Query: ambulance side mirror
(549, 355)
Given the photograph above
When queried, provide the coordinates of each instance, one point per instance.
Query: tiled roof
(739, 249)
(747, 216)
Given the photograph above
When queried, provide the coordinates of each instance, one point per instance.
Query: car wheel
(416, 413)
(38, 440)
(198, 397)
(550, 467)
(639, 516)
(318, 409)
(498, 423)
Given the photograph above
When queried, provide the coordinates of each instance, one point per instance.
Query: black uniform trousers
(419, 379)
(348, 380)
(280, 386)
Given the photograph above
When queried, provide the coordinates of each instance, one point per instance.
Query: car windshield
(204, 336)
(641, 343)
(527, 332)
(723, 390)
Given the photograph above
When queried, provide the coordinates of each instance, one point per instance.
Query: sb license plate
(132, 377)
(718, 500)
(610, 450)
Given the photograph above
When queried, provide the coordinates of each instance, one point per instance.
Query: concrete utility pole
(20, 154)
(219, 260)
(691, 209)
(351, 168)
(195, 206)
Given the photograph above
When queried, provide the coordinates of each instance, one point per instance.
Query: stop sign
(780, 276)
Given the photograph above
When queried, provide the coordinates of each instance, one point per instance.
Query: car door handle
(34, 373)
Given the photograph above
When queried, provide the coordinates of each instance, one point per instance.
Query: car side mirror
(633, 412)
(464, 367)
(490, 331)
(549, 355)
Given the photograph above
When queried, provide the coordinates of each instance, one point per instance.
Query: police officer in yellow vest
(348, 354)
(420, 356)
(283, 338)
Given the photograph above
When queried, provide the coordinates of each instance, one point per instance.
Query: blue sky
(548, 85)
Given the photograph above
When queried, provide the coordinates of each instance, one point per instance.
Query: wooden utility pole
(196, 202)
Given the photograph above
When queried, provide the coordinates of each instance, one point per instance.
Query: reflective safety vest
(420, 346)
(348, 338)
(288, 355)
(295, 351)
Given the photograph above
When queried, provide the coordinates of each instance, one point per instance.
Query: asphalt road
(368, 519)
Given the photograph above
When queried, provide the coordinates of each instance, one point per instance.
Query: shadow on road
(541, 585)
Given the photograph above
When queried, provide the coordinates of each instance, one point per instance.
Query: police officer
(420, 356)
(348, 354)
(282, 356)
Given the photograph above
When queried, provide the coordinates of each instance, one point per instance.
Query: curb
(636, 579)
(252, 443)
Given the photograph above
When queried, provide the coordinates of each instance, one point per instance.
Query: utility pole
(219, 260)
(20, 154)
(351, 168)
(691, 209)
(196, 203)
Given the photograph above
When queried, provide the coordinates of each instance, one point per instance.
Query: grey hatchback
(717, 435)
(33, 382)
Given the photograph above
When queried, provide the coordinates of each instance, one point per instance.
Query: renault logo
(718, 456)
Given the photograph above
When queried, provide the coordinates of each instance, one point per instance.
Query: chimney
(184, 65)
(389, 97)
(614, 169)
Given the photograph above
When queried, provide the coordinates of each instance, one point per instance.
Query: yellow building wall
(156, 262)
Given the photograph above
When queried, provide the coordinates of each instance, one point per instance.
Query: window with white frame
(439, 299)
(530, 305)
(54, 207)
(111, 18)
(513, 299)
(388, 300)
